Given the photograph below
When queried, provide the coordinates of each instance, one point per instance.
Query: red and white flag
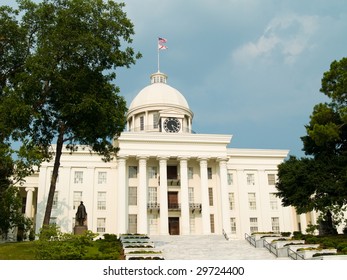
(162, 47)
(161, 42)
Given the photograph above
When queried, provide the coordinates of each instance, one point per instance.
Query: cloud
(285, 37)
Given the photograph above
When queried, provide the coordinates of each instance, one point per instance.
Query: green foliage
(55, 245)
(311, 229)
(297, 235)
(58, 60)
(11, 215)
(319, 182)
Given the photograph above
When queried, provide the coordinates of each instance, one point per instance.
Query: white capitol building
(166, 179)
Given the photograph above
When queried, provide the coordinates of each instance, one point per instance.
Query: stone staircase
(210, 247)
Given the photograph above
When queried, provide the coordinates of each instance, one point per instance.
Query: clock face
(172, 125)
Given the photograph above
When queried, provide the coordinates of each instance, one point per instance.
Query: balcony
(195, 207)
(173, 182)
(153, 206)
(174, 206)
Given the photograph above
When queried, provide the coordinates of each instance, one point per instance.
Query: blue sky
(250, 68)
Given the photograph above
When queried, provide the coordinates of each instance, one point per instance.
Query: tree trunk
(58, 153)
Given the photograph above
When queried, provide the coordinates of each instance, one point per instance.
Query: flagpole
(158, 56)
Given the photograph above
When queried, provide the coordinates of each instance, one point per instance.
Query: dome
(157, 103)
(159, 94)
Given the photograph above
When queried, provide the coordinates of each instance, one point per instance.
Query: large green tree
(58, 60)
(319, 180)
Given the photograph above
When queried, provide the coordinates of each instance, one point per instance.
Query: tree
(57, 81)
(12, 172)
(319, 180)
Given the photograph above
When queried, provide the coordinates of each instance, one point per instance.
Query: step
(208, 247)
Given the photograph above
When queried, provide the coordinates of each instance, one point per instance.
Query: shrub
(55, 245)
(110, 237)
(340, 247)
(297, 235)
(286, 234)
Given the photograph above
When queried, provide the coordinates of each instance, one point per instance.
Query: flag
(162, 47)
(161, 40)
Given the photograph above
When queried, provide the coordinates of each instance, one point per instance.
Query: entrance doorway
(174, 225)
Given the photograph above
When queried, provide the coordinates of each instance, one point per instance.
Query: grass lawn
(17, 251)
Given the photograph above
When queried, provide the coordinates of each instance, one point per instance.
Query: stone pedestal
(78, 230)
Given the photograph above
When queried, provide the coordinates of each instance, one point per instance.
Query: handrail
(294, 255)
(251, 240)
(272, 249)
(225, 235)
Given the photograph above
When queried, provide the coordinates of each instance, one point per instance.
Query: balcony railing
(195, 207)
(153, 206)
(173, 182)
(174, 206)
(151, 128)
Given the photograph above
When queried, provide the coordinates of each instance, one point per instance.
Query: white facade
(166, 179)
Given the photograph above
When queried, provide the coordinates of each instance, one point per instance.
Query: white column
(164, 212)
(303, 222)
(185, 227)
(224, 195)
(29, 202)
(205, 213)
(142, 196)
(122, 217)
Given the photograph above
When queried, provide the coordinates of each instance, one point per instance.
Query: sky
(248, 68)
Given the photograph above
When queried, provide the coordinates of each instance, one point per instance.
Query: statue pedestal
(78, 230)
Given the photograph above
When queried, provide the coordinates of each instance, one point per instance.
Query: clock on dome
(172, 125)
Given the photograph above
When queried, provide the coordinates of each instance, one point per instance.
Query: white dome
(158, 94)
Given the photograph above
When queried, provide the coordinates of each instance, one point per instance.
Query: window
(210, 196)
(153, 223)
(55, 201)
(271, 179)
(101, 201)
(101, 225)
(190, 172)
(152, 172)
(275, 223)
(230, 179)
(77, 198)
(156, 120)
(233, 225)
(212, 222)
(250, 179)
(132, 171)
(132, 196)
(152, 195)
(273, 201)
(142, 123)
(78, 178)
(191, 194)
(102, 177)
(192, 224)
(231, 201)
(209, 173)
(132, 219)
(253, 224)
(252, 202)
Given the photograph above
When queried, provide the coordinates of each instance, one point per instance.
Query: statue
(81, 214)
